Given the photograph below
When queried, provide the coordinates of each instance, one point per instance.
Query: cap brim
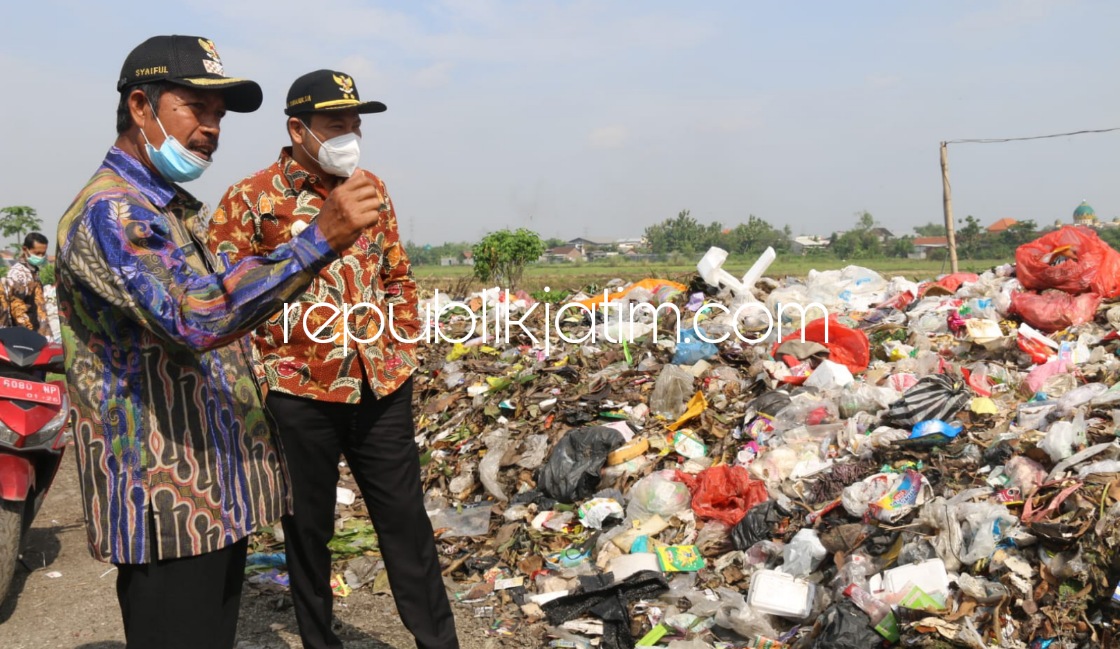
(241, 95)
(363, 107)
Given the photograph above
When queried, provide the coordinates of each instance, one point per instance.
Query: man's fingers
(361, 192)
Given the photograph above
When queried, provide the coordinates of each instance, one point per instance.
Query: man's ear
(296, 130)
(139, 107)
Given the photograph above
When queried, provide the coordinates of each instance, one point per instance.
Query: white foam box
(627, 564)
(780, 594)
(930, 576)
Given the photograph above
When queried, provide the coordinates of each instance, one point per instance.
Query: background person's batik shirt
(26, 302)
(167, 414)
(261, 213)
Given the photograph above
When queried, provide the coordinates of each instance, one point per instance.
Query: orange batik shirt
(303, 350)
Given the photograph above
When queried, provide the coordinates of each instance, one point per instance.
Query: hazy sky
(598, 118)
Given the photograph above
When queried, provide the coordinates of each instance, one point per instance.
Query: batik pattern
(263, 212)
(167, 415)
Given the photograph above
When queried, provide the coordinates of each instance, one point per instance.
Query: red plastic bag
(1073, 259)
(1054, 310)
(846, 346)
(948, 285)
(723, 493)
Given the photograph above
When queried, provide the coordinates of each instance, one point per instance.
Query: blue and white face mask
(173, 160)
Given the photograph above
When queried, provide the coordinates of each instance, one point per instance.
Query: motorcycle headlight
(8, 437)
(48, 436)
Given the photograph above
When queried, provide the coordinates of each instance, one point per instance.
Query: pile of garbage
(929, 464)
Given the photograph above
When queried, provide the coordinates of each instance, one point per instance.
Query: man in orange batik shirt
(329, 392)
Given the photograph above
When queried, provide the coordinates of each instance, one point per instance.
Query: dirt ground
(68, 600)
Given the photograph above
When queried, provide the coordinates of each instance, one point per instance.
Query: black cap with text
(188, 61)
(326, 90)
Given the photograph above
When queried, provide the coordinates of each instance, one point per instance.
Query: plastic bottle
(882, 617)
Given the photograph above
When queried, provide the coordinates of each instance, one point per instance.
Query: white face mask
(338, 156)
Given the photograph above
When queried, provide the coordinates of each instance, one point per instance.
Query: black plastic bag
(609, 601)
(763, 522)
(571, 472)
(768, 404)
(843, 626)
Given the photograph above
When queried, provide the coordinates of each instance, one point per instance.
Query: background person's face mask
(36, 260)
(338, 156)
(173, 160)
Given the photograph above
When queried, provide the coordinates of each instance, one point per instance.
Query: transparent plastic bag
(734, 613)
(803, 553)
(672, 390)
(658, 493)
(1062, 438)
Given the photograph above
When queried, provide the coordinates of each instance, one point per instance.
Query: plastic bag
(762, 523)
(1061, 439)
(844, 626)
(692, 349)
(806, 410)
(672, 390)
(714, 539)
(572, 470)
(658, 493)
(934, 397)
(1072, 259)
(1079, 396)
(471, 520)
(1025, 474)
(848, 347)
(1055, 310)
(948, 285)
(861, 397)
(724, 493)
(983, 526)
(802, 555)
(734, 613)
(497, 443)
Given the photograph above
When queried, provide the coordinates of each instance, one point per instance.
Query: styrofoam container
(930, 576)
(777, 593)
(627, 564)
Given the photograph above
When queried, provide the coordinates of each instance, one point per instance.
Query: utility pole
(947, 201)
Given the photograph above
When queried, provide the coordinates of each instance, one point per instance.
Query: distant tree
(681, 234)
(756, 235)
(501, 256)
(844, 246)
(859, 243)
(1020, 233)
(1111, 236)
(429, 255)
(969, 239)
(931, 230)
(554, 242)
(901, 247)
(17, 221)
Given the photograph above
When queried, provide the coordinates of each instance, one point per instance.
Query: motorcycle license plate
(47, 393)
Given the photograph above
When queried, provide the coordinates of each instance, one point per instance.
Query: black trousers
(183, 603)
(377, 439)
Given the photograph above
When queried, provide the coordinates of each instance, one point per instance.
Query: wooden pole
(947, 201)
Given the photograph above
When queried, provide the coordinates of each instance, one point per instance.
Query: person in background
(26, 303)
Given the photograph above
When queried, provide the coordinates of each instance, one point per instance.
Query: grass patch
(573, 277)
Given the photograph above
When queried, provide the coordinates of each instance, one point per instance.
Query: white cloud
(607, 137)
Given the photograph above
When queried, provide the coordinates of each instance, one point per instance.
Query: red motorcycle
(34, 413)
